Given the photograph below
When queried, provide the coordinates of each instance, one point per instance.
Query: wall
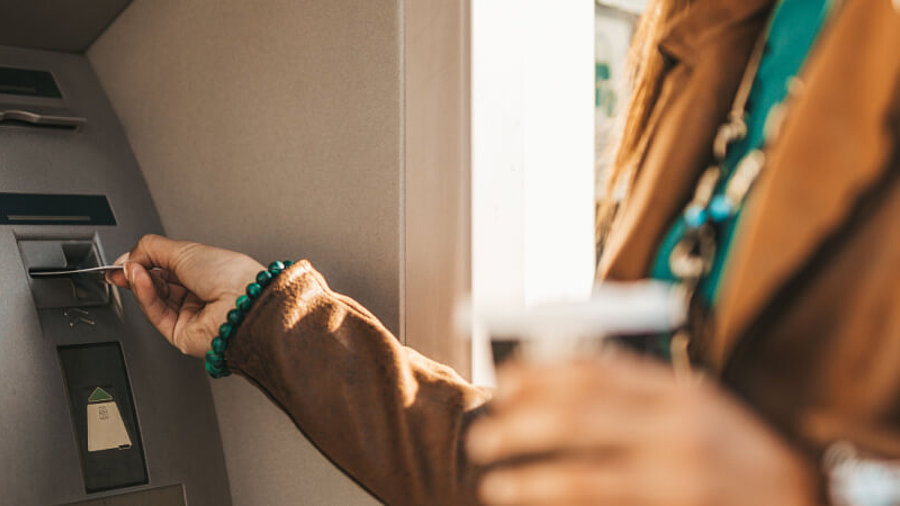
(271, 127)
(437, 187)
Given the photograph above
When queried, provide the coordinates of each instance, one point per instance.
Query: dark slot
(32, 83)
(42, 209)
(43, 126)
(503, 349)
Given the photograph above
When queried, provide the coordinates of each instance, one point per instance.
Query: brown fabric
(387, 416)
(808, 326)
(709, 46)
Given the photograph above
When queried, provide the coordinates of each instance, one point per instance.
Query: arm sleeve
(386, 415)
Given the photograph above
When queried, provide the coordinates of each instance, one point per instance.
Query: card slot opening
(7, 122)
(41, 218)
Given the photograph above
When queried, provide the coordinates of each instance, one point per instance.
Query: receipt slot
(96, 407)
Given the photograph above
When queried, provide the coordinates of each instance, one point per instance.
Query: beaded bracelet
(215, 358)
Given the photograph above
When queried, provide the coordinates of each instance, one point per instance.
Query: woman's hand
(621, 430)
(191, 290)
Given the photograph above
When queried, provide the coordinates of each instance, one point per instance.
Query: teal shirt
(793, 29)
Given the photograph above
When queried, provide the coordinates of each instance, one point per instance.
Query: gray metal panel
(166, 496)
(38, 456)
(51, 24)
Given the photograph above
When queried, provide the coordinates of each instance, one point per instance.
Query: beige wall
(437, 182)
(271, 127)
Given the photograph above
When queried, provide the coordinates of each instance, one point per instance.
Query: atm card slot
(71, 265)
(42, 272)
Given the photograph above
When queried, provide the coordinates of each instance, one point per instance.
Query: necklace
(718, 198)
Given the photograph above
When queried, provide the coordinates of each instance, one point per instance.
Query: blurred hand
(189, 295)
(621, 430)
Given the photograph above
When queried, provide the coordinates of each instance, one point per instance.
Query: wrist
(216, 365)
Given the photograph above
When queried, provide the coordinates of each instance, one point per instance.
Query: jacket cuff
(389, 417)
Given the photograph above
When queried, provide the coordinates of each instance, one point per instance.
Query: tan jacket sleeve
(389, 417)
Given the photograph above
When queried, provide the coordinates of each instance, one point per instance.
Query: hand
(621, 430)
(188, 297)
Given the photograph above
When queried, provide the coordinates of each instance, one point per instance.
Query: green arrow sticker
(99, 395)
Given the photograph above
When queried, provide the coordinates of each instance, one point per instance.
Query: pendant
(745, 175)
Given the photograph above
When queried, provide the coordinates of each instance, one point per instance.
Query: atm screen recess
(31, 83)
(44, 209)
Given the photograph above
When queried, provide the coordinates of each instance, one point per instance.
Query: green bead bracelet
(215, 358)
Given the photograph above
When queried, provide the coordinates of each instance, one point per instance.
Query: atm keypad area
(98, 408)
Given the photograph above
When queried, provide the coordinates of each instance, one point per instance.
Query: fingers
(118, 277)
(600, 407)
(540, 428)
(609, 373)
(566, 481)
(156, 251)
(152, 251)
(154, 306)
(206, 271)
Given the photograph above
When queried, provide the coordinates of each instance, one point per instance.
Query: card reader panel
(103, 415)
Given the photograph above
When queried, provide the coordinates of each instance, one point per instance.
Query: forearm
(389, 417)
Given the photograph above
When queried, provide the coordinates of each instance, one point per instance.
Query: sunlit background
(547, 82)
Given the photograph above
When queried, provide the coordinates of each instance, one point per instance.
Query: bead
(219, 345)
(215, 359)
(243, 303)
(226, 330)
(263, 278)
(695, 216)
(253, 290)
(276, 267)
(235, 316)
(214, 371)
(720, 208)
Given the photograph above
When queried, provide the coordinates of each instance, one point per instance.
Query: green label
(99, 395)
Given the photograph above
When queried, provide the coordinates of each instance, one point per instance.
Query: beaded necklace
(692, 258)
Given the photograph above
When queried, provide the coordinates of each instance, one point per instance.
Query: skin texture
(190, 294)
(622, 430)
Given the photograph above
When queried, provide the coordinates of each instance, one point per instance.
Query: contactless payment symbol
(105, 428)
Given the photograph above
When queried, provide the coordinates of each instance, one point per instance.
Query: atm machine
(95, 407)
